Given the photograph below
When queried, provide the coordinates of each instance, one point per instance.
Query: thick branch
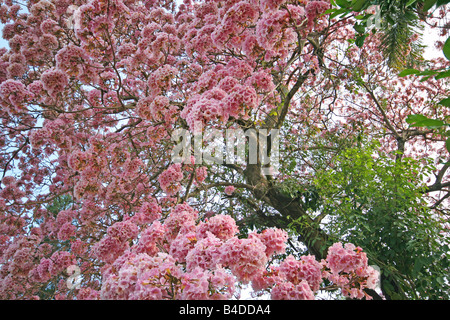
(438, 185)
(312, 235)
(287, 100)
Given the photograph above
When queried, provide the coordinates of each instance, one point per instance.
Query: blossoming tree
(91, 94)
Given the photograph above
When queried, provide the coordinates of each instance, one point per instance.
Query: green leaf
(417, 266)
(359, 28)
(343, 3)
(418, 120)
(359, 41)
(428, 73)
(428, 4)
(445, 102)
(425, 79)
(410, 2)
(446, 49)
(441, 2)
(357, 5)
(407, 72)
(336, 12)
(443, 74)
(432, 124)
(447, 145)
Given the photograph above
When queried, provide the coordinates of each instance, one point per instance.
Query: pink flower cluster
(345, 258)
(123, 231)
(58, 262)
(261, 81)
(245, 257)
(54, 81)
(148, 212)
(201, 173)
(314, 8)
(161, 80)
(170, 179)
(154, 108)
(116, 241)
(273, 35)
(152, 239)
(242, 100)
(347, 268)
(200, 260)
(201, 109)
(291, 291)
(306, 269)
(229, 190)
(143, 277)
(271, 4)
(221, 226)
(234, 21)
(17, 65)
(13, 94)
(274, 239)
(205, 254)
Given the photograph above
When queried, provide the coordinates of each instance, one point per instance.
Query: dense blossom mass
(91, 93)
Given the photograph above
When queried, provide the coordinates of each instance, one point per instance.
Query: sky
(3, 42)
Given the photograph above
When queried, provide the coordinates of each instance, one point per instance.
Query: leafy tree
(378, 202)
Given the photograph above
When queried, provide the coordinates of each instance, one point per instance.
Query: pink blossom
(13, 92)
(180, 220)
(66, 231)
(306, 269)
(88, 294)
(345, 258)
(290, 291)
(229, 190)
(271, 4)
(109, 249)
(315, 8)
(240, 101)
(54, 81)
(148, 212)
(15, 70)
(244, 257)
(181, 245)
(151, 239)
(274, 239)
(201, 173)
(170, 179)
(205, 254)
(161, 79)
(222, 226)
(123, 231)
(195, 285)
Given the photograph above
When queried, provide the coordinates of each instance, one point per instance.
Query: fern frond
(399, 28)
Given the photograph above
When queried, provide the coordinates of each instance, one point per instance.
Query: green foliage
(60, 203)
(375, 201)
(418, 120)
(396, 20)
